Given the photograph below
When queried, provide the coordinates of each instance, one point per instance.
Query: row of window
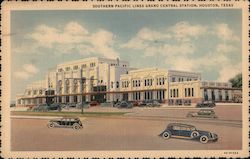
(189, 92)
(174, 92)
(136, 83)
(181, 79)
(76, 67)
(125, 84)
(35, 92)
(148, 82)
(160, 81)
(148, 95)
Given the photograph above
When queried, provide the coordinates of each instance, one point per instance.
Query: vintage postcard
(124, 79)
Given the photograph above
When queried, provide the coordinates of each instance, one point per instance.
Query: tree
(236, 81)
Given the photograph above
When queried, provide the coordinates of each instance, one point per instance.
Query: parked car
(45, 107)
(187, 102)
(136, 103)
(205, 113)
(206, 104)
(149, 103)
(93, 103)
(55, 106)
(142, 103)
(66, 122)
(185, 131)
(124, 104)
(153, 103)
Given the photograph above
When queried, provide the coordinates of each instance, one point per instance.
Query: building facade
(107, 80)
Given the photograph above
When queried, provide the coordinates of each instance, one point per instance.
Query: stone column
(209, 94)
(223, 95)
(216, 94)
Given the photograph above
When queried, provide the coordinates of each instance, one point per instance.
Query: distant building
(107, 80)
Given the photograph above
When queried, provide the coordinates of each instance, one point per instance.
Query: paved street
(138, 130)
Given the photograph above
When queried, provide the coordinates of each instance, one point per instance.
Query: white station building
(107, 80)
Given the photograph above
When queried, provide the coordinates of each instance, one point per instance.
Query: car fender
(163, 132)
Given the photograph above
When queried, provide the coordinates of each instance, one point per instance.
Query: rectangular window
(145, 82)
(163, 81)
(112, 84)
(171, 93)
(117, 84)
(173, 79)
(177, 92)
(75, 67)
(189, 92)
(157, 81)
(174, 92)
(139, 83)
(192, 92)
(185, 92)
(67, 68)
(84, 65)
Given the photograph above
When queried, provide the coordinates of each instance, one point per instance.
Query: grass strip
(26, 113)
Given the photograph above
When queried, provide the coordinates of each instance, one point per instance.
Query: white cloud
(225, 33)
(102, 42)
(229, 71)
(225, 48)
(75, 29)
(28, 70)
(146, 37)
(183, 31)
(74, 38)
(22, 75)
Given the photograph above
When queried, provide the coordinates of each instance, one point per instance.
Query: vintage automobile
(123, 104)
(204, 113)
(93, 103)
(185, 131)
(153, 103)
(149, 103)
(67, 122)
(205, 104)
(45, 108)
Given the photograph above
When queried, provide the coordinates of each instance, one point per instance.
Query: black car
(74, 123)
(205, 104)
(204, 113)
(123, 104)
(179, 130)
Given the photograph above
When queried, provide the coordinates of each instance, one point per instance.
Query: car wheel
(194, 134)
(204, 139)
(166, 135)
(76, 127)
(51, 125)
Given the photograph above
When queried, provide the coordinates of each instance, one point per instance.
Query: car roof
(180, 124)
(75, 118)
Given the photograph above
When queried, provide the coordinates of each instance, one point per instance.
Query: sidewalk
(40, 117)
(34, 117)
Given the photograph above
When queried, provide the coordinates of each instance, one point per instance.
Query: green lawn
(26, 113)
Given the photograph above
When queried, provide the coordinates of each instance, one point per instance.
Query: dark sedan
(74, 123)
(185, 131)
(123, 104)
(203, 113)
(205, 104)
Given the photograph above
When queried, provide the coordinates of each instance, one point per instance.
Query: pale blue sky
(207, 41)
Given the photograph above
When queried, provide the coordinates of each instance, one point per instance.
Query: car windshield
(192, 128)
